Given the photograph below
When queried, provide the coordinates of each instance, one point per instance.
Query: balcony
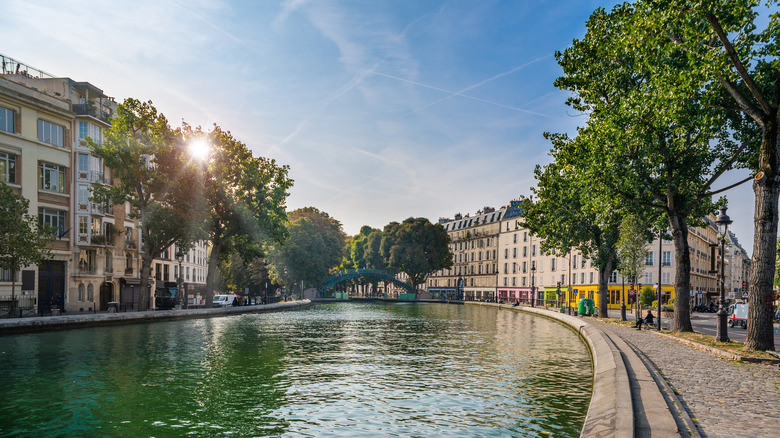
(87, 109)
(130, 244)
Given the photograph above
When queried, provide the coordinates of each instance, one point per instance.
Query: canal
(336, 369)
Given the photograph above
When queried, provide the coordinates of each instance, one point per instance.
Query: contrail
(226, 33)
(460, 93)
(479, 84)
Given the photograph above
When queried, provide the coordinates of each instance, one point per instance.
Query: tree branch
(725, 188)
(738, 64)
(746, 106)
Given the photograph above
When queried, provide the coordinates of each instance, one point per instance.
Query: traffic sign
(744, 294)
(731, 295)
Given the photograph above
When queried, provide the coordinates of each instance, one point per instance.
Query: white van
(223, 300)
(738, 314)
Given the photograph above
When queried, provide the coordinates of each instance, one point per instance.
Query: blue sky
(382, 109)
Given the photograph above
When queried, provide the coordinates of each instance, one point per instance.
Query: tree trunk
(760, 332)
(604, 272)
(682, 272)
(143, 296)
(216, 248)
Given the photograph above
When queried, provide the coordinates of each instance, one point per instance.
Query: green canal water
(330, 370)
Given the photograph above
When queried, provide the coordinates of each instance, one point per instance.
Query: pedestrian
(777, 315)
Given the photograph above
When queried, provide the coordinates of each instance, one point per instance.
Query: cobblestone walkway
(726, 398)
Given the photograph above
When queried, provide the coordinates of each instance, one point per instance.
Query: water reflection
(329, 370)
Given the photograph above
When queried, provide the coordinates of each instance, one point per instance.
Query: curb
(67, 322)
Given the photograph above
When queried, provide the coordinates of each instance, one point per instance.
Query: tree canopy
(416, 247)
(151, 171)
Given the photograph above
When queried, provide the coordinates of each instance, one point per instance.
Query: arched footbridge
(349, 274)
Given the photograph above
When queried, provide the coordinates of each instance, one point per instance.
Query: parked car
(223, 300)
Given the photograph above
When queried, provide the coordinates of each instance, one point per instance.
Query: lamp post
(533, 284)
(723, 222)
(285, 280)
(180, 281)
(623, 298)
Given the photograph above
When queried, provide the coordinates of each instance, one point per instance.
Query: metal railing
(17, 306)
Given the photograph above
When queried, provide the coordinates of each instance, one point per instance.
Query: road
(705, 323)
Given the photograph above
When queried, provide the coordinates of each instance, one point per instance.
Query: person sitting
(516, 303)
(646, 320)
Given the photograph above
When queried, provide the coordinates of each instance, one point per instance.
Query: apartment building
(474, 244)
(102, 240)
(35, 161)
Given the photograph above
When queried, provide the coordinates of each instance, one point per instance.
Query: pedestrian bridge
(349, 274)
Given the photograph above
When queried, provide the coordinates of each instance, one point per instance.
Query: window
(666, 258)
(506, 279)
(90, 292)
(552, 264)
(157, 272)
(524, 281)
(514, 268)
(525, 267)
(591, 278)
(5, 274)
(96, 133)
(7, 119)
(582, 278)
(649, 259)
(574, 261)
(81, 292)
(533, 250)
(109, 262)
(648, 278)
(51, 177)
(83, 225)
(613, 277)
(665, 278)
(82, 130)
(7, 168)
(83, 162)
(514, 281)
(52, 218)
(51, 133)
(188, 272)
(514, 253)
(515, 238)
(525, 236)
(563, 279)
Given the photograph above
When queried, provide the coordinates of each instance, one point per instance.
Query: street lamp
(533, 286)
(180, 281)
(623, 298)
(285, 280)
(723, 222)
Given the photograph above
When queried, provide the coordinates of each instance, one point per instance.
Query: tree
(23, 240)
(649, 142)
(244, 198)
(315, 246)
(631, 246)
(359, 250)
(417, 248)
(568, 214)
(738, 63)
(152, 173)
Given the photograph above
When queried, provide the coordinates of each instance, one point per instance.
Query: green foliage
(631, 246)
(153, 174)
(22, 239)
(243, 197)
(647, 296)
(315, 246)
(572, 211)
(416, 247)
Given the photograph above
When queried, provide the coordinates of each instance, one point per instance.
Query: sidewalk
(80, 320)
(724, 398)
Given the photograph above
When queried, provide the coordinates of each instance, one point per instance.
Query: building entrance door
(106, 294)
(51, 286)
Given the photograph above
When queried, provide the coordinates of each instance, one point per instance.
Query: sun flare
(199, 149)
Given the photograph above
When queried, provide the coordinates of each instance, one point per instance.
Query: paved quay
(81, 320)
(724, 398)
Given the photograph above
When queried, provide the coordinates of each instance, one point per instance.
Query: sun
(199, 149)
